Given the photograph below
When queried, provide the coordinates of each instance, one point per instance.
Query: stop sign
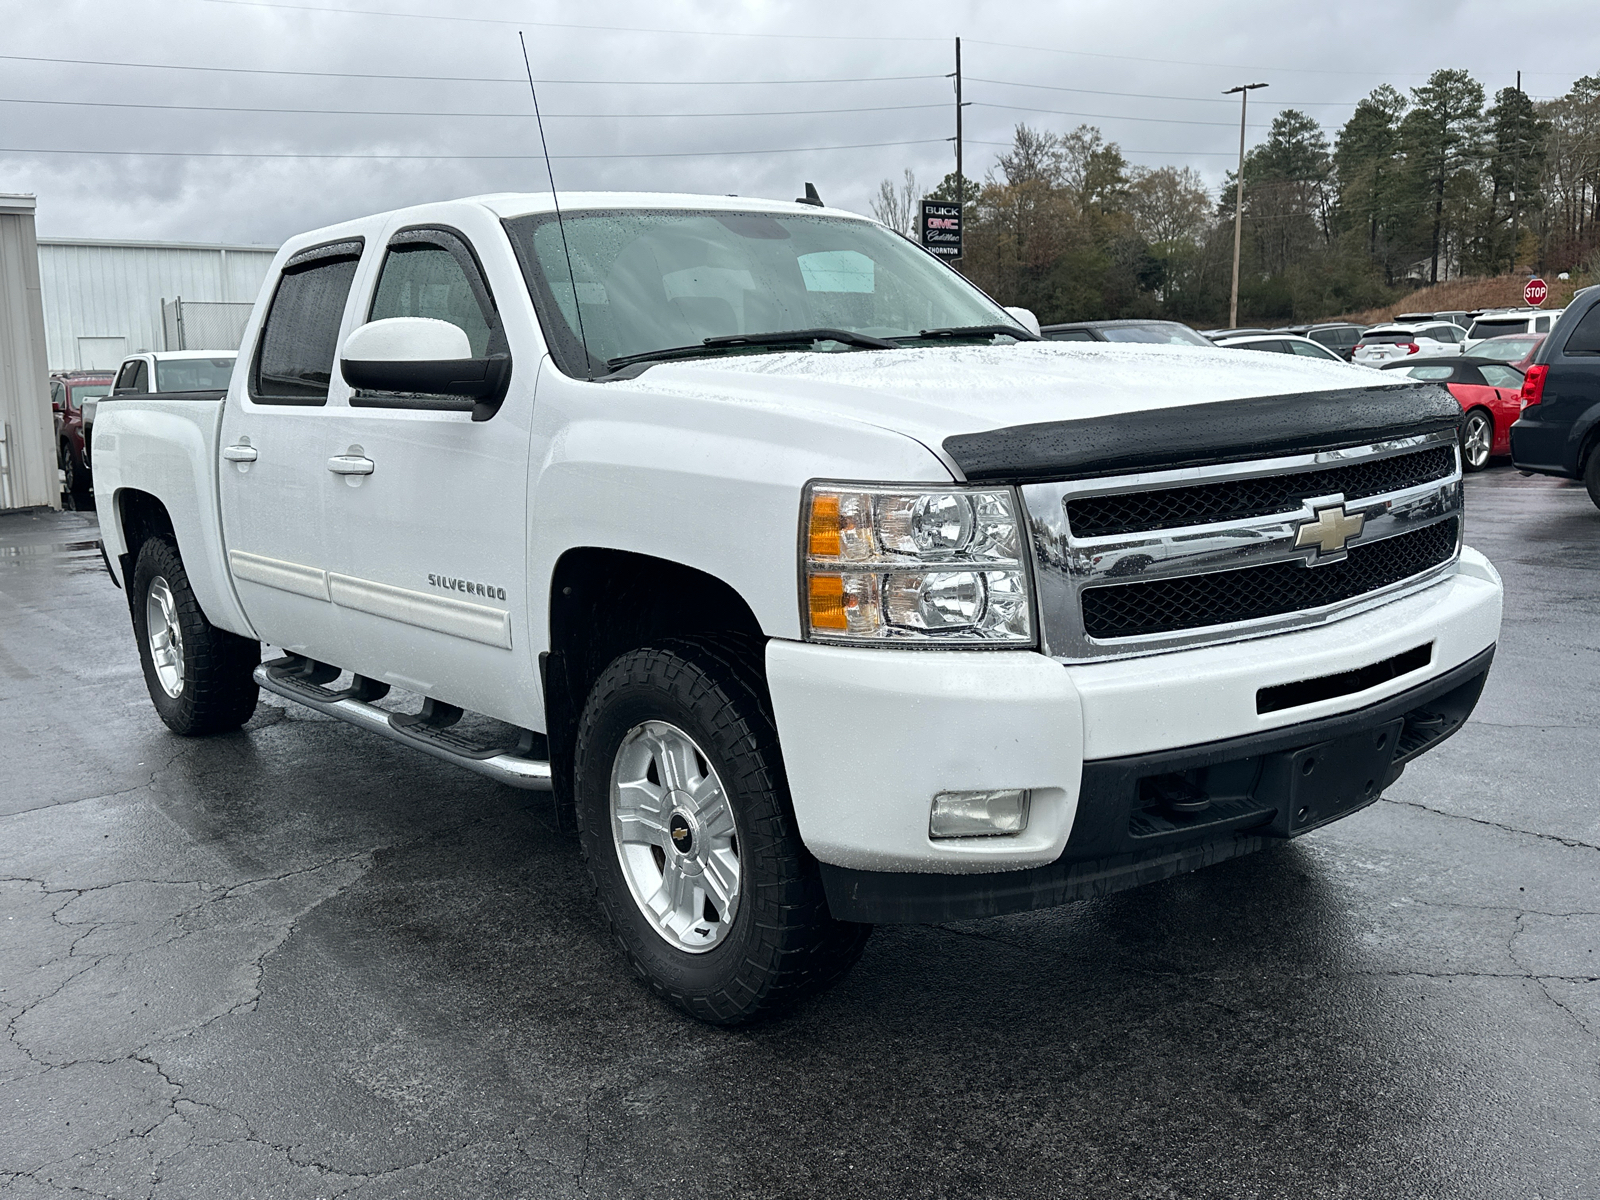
(1534, 291)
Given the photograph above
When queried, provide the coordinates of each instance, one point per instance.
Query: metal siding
(116, 290)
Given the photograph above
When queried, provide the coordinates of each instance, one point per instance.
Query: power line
(532, 24)
(1124, 150)
(475, 157)
(517, 79)
(1050, 87)
(369, 112)
(1058, 112)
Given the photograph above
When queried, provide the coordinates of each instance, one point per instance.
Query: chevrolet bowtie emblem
(1330, 532)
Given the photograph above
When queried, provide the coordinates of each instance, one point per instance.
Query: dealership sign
(941, 228)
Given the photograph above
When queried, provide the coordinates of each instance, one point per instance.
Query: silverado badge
(1329, 532)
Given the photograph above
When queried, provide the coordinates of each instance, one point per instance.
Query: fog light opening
(996, 813)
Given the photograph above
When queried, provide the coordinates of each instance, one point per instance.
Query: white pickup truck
(819, 590)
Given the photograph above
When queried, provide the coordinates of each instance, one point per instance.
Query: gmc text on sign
(941, 228)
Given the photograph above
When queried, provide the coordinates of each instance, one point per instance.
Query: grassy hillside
(1466, 294)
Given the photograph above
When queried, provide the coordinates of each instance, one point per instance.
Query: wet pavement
(296, 961)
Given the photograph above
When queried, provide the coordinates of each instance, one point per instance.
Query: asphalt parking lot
(296, 961)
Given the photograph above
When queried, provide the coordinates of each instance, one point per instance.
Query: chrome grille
(1240, 551)
(1172, 508)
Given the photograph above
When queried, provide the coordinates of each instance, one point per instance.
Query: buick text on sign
(941, 228)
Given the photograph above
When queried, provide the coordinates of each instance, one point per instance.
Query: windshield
(1160, 333)
(653, 280)
(194, 374)
(86, 391)
(1510, 350)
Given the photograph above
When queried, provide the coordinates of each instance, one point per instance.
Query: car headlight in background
(914, 564)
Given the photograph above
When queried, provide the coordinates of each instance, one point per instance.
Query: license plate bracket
(1329, 780)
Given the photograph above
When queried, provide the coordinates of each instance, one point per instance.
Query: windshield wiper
(736, 341)
(956, 332)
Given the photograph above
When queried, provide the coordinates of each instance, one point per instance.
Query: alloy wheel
(1477, 440)
(674, 832)
(166, 636)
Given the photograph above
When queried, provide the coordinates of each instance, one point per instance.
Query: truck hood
(931, 393)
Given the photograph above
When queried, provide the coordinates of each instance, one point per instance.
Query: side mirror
(1026, 319)
(421, 356)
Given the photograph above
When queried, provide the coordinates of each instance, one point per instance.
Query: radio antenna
(577, 306)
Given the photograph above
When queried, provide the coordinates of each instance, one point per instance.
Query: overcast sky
(647, 71)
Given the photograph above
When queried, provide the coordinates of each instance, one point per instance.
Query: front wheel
(1477, 440)
(1591, 475)
(199, 677)
(689, 839)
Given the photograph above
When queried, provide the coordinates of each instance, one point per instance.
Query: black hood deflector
(1195, 434)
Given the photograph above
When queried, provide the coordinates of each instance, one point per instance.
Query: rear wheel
(1591, 475)
(689, 838)
(74, 479)
(1477, 439)
(199, 676)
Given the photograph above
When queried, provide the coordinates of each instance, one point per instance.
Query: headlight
(914, 564)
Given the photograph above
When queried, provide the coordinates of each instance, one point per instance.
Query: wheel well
(606, 602)
(142, 517)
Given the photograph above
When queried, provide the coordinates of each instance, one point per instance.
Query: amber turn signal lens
(827, 602)
(823, 532)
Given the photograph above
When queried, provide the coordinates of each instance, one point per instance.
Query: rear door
(428, 551)
(274, 477)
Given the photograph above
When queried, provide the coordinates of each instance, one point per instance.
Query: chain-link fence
(203, 324)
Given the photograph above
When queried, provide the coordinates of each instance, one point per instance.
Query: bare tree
(1171, 207)
(897, 207)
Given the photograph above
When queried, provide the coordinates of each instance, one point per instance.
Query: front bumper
(870, 736)
(1260, 788)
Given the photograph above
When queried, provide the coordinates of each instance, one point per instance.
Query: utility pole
(1244, 91)
(961, 179)
(1516, 178)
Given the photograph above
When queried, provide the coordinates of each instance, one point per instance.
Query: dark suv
(1339, 336)
(68, 391)
(1559, 430)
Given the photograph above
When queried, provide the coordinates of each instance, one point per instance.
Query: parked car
(70, 391)
(1559, 430)
(1515, 348)
(1160, 333)
(165, 371)
(1280, 343)
(1488, 392)
(1339, 336)
(1385, 343)
(1508, 321)
(1458, 319)
(1214, 334)
(580, 517)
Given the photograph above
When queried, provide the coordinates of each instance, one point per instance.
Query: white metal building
(104, 300)
(27, 437)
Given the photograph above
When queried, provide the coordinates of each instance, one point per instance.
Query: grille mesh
(1196, 601)
(1173, 508)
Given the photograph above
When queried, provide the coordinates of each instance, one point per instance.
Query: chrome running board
(295, 679)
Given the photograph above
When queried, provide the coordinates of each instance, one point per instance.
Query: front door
(428, 535)
(273, 470)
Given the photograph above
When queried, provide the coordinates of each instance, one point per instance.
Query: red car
(1488, 392)
(68, 391)
(1514, 348)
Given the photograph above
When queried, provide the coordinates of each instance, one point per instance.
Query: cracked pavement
(296, 961)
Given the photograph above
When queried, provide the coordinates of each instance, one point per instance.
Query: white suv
(1496, 324)
(1386, 343)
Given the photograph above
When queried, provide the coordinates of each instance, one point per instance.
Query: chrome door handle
(239, 453)
(351, 464)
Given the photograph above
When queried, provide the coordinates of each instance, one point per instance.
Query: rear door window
(1272, 347)
(1309, 351)
(294, 360)
(1585, 338)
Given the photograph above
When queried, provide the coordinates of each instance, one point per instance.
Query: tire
(1591, 475)
(200, 681)
(1477, 440)
(74, 479)
(739, 952)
